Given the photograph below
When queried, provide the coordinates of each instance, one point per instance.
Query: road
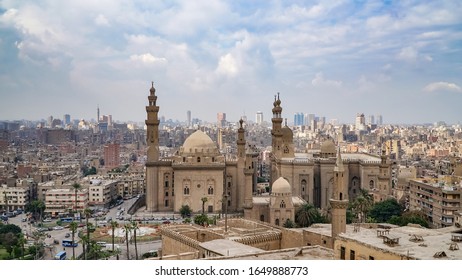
(51, 248)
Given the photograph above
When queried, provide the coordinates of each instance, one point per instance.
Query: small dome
(287, 133)
(200, 141)
(281, 186)
(328, 147)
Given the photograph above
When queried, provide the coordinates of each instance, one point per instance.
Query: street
(50, 237)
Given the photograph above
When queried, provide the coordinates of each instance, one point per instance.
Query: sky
(399, 59)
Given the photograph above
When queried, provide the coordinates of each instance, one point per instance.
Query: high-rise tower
(152, 141)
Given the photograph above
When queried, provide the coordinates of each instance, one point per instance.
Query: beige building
(198, 171)
(101, 192)
(439, 199)
(12, 198)
(63, 201)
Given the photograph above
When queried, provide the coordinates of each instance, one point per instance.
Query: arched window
(341, 196)
(262, 218)
(210, 190)
(282, 205)
(303, 185)
(371, 184)
(276, 222)
(198, 159)
(186, 190)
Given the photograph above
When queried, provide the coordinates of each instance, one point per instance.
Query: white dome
(281, 186)
(198, 141)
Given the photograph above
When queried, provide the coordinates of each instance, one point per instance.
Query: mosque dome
(328, 147)
(199, 142)
(281, 186)
(287, 133)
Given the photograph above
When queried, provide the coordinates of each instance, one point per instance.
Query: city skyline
(328, 58)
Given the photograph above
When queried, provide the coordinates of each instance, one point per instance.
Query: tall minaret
(339, 200)
(241, 191)
(152, 141)
(276, 137)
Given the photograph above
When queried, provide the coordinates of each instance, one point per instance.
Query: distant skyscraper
(379, 120)
(299, 119)
(188, 116)
(66, 119)
(221, 119)
(259, 118)
(97, 114)
(360, 122)
(371, 120)
(310, 119)
(50, 121)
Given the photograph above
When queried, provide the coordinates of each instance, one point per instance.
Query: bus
(69, 243)
(67, 219)
(61, 255)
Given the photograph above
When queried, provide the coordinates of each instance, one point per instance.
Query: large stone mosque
(198, 170)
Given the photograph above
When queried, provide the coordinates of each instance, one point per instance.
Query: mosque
(199, 176)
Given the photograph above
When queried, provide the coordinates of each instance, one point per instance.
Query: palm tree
(362, 204)
(22, 242)
(135, 227)
(306, 215)
(127, 228)
(114, 225)
(85, 246)
(76, 187)
(73, 227)
(87, 213)
(204, 200)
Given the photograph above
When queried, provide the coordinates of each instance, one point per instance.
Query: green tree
(135, 228)
(384, 210)
(410, 217)
(114, 226)
(185, 211)
(73, 228)
(36, 207)
(361, 206)
(76, 187)
(127, 228)
(289, 224)
(204, 200)
(201, 219)
(307, 215)
(87, 214)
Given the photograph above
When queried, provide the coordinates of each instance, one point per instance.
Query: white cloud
(227, 66)
(101, 20)
(147, 58)
(442, 86)
(408, 54)
(320, 81)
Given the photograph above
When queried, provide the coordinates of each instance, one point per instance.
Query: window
(166, 193)
(166, 203)
(371, 184)
(276, 222)
(186, 190)
(198, 159)
(210, 208)
(210, 190)
(352, 255)
(342, 253)
(282, 205)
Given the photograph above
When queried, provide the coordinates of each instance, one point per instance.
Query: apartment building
(438, 198)
(101, 192)
(63, 200)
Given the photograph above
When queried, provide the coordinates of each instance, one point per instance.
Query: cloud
(101, 20)
(442, 86)
(320, 81)
(227, 66)
(147, 58)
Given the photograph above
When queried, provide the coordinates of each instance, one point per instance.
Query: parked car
(67, 235)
